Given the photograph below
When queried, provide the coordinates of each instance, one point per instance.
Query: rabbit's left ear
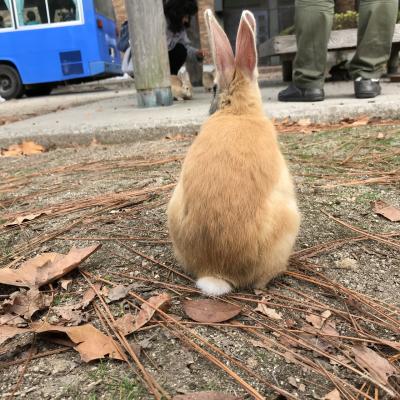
(246, 48)
(221, 50)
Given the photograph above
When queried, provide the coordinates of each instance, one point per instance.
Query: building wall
(203, 5)
(119, 6)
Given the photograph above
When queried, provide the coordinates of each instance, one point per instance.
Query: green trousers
(313, 23)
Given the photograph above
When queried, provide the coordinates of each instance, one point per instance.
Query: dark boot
(295, 94)
(366, 88)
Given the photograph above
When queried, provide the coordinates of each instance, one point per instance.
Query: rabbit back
(234, 210)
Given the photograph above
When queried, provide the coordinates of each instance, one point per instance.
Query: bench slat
(342, 39)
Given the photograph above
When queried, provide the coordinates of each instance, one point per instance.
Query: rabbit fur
(233, 216)
(181, 86)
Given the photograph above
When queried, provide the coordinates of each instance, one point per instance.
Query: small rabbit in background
(181, 86)
(233, 216)
(208, 80)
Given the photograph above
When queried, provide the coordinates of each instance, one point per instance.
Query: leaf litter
(29, 217)
(117, 293)
(206, 310)
(390, 212)
(25, 148)
(26, 303)
(161, 301)
(45, 268)
(269, 312)
(378, 367)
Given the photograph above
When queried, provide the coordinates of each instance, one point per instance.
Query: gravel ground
(330, 170)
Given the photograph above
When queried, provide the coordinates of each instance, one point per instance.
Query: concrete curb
(118, 120)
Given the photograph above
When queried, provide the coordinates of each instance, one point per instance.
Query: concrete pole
(147, 27)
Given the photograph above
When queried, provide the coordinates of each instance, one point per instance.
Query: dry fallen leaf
(145, 314)
(258, 343)
(321, 323)
(25, 148)
(89, 295)
(26, 303)
(361, 121)
(89, 342)
(65, 283)
(313, 340)
(315, 320)
(378, 367)
(45, 268)
(8, 332)
(380, 135)
(326, 314)
(269, 312)
(176, 137)
(71, 315)
(206, 396)
(118, 292)
(289, 357)
(334, 395)
(390, 212)
(341, 359)
(292, 381)
(126, 324)
(12, 320)
(304, 122)
(329, 329)
(23, 218)
(207, 310)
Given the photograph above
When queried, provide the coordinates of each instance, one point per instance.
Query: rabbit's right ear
(246, 48)
(221, 49)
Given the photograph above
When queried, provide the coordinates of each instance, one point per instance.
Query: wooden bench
(285, 47)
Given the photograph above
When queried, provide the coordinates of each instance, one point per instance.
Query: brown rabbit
(181, 86)
(233, 216)
(208, 80)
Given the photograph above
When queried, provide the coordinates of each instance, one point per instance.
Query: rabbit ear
(246, 48)
(221, 50)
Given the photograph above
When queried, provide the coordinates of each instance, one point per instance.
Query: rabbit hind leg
(275, 262)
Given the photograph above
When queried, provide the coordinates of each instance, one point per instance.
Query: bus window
(31, 12)
(105, 8)
(5, 14)
(63, 10)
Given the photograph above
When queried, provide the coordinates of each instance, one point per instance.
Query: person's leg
(177, 57)
(377, 19)
(313, 24)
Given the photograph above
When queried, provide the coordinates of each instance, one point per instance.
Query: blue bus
(47, 42)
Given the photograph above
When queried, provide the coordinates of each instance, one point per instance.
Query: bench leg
(287, 70)
(393, 63)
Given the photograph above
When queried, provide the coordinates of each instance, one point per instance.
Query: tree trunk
(147, 29)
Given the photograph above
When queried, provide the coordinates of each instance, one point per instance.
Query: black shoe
(367, 88)
(293, 93)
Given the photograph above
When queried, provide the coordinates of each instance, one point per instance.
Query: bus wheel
(38, 90)
(10, 83)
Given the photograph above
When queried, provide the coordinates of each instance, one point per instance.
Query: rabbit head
(236, 75)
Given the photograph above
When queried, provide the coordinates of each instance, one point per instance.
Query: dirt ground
(346, 261)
